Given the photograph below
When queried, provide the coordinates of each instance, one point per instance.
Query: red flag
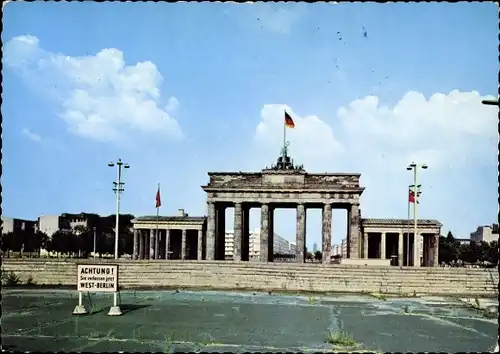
(289, 121)
(411, 196)
(158, 198)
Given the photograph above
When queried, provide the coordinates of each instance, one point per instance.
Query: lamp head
(111, 164)
(126, 165)
(408, 168)
(424, 167)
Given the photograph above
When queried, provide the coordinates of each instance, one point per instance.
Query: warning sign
(97, 278)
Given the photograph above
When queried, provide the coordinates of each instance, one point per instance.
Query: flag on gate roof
(289, 123)
(158, 198)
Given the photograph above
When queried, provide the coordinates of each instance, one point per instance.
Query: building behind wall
(280, 245)
(485, 233)
(14, 225)
(49, 224)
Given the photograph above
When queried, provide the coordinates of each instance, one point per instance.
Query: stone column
(365, 245)
(264, 233)
(348, 235)
(151, 244)
(157, 243)
(167, 243)
(425, 250)
(245, 233)
(146, 244)
(354, 232)
(301, 234)
(210, 252)
(134, 251)
(270, 235)
(237, 232)
(416, 250)
(183, 244)
(400, 249)
(199, 252)
(220, 232)
(383, 245)
(327, 233)
(435, 260)
(141, 244)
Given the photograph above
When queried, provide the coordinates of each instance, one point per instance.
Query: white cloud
(453, 133)
(33, 136)
(98, 96)
(172, 105)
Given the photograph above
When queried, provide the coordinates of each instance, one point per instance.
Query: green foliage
(450, 250)
(41, 240)
(341, 338)
(318, 255)
(379, 296)
(8, 241)
(30, 281)
(80, 240)
(10, 278)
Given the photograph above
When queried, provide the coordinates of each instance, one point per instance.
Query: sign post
(97, 278)
(80, 309)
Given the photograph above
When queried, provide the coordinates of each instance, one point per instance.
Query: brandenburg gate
(284, 185)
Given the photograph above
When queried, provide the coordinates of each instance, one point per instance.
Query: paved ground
(172, 321)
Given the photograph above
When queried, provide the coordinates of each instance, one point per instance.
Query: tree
(318, 255)
(107, 234)
(493, 253)
(8, 242)
(61, 241)
(41, 241)
(448, 248)
(85, 239)
(484, 251)
(126, 244)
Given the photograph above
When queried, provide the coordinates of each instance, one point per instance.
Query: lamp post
(411, 187)
(118, 190)
(94, 239)
(115, 309)
(415, 167)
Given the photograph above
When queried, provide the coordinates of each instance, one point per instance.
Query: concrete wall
(274, 276)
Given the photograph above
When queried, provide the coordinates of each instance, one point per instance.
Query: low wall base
(366, 262)
(285, 277)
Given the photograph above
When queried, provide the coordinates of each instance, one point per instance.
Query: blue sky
(178, 90)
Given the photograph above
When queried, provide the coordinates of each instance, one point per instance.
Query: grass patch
(10, 278)
(379, 296)
(340, 338)
(30, 281)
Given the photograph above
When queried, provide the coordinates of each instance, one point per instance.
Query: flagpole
(408, 232)
(284, 140)
(157, 215)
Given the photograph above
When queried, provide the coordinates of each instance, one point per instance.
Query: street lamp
(411, 187)
(118, 189)
(416, 255)
(94, 239)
